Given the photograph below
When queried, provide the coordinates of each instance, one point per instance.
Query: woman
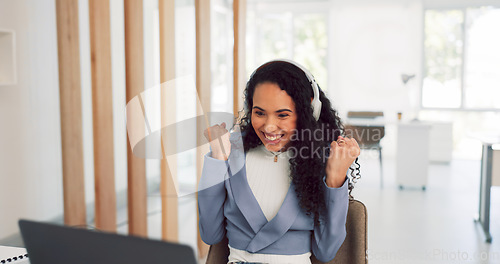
(290, 197)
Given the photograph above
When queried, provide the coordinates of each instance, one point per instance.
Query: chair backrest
(364, 114)
(352, 251)
(366, 136)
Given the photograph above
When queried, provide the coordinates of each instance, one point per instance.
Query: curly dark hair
(306, 172)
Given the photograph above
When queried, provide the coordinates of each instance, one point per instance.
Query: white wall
(372, 44)
(30, 143)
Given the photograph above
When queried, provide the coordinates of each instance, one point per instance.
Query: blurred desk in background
(412, 163)
(440, 137)
(490, 176)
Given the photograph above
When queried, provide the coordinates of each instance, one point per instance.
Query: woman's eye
(282, 115)
(259, 113)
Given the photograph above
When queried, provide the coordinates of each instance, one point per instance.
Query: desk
(418, 142)
(490, 175)
(8, 254)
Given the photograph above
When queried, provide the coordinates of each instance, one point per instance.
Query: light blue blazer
(227, 207)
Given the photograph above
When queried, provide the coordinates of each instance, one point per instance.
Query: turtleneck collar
(269, 153)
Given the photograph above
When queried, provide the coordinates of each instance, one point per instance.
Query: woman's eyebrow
(279, 111)
(259, 108)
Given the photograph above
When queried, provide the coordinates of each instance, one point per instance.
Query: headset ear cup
(316, 103)
(316, 106)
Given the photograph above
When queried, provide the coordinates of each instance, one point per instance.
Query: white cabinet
(412, 154)
(418, 144)
(7, 58)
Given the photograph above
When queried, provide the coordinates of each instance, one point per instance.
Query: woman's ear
(312, 99)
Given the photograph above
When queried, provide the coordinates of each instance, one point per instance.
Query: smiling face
(274, 117)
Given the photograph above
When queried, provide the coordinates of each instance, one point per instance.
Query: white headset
(316, 103)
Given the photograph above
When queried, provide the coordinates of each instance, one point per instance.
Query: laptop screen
(54, 244)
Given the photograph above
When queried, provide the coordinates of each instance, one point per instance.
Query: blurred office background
(435, 62)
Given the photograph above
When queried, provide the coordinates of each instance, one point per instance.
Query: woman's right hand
(218, 136)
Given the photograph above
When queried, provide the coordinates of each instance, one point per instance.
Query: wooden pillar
(134, 72)
(169, 195)
(239, 51)
(71, 112)
(203, 80)
(102, 112)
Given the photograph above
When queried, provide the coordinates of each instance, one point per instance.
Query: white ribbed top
(269, 182)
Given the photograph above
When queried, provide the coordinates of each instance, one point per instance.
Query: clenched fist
(343, 152)
(218, 136)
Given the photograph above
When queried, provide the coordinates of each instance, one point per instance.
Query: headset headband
(316, 103)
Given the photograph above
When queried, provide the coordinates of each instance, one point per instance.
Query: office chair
(352, 251)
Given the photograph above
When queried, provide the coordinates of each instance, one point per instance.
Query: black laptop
(55, 244)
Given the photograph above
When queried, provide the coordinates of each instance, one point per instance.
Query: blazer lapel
(241, 190)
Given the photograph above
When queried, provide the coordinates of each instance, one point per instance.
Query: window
(462, 72)
(462, 59)
(310, 44)
(221, 55)
(482, 68)
(443, 57)
(294, 31)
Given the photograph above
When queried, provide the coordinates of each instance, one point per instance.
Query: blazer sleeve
(330, 234)
(211, 197)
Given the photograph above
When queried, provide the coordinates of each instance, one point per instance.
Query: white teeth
(272, 138)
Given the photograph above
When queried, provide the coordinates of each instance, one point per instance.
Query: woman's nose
(270, 125)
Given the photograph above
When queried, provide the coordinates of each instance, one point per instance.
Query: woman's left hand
(343, 152)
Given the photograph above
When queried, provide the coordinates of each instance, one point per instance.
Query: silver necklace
(276, 154)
